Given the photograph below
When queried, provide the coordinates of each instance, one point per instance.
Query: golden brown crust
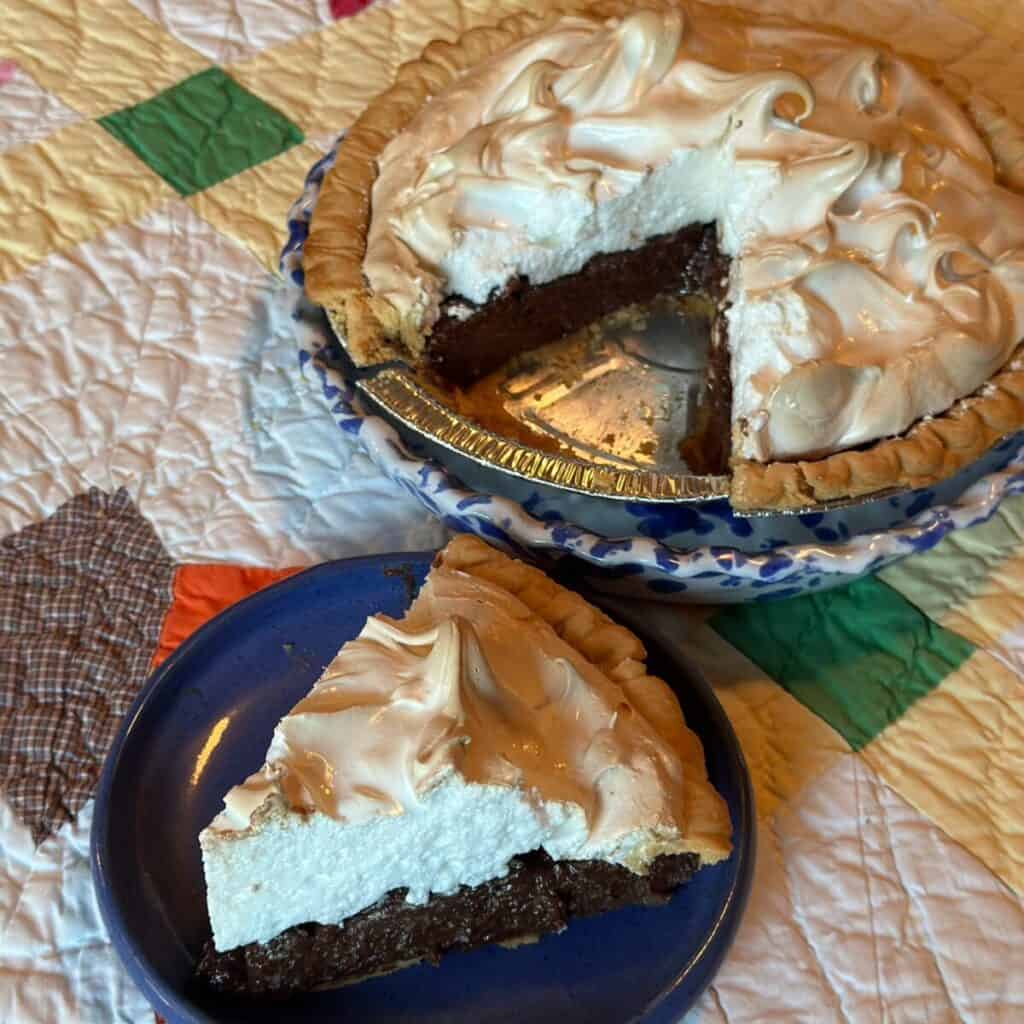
(609, 646)
(930, 451)
(622, 657)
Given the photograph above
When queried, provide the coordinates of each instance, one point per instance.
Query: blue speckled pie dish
(683, 551)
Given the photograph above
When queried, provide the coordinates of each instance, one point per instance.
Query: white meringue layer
(469, 681)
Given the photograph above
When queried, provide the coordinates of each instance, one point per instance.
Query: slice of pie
(482, 770)
(853, 223)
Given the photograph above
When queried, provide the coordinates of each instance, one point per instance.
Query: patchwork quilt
(162, 456)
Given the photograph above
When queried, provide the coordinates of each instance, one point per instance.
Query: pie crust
(931, 450)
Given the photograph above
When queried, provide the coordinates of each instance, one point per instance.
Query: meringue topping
(878, 266)
(469, 682)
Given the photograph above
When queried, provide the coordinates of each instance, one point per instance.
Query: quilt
(162, 456)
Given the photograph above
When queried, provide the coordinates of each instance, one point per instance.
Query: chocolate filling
(469, 341)
(707, 448)
(537, 896)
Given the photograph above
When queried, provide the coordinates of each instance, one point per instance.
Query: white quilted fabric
(56, 963)
(154, 358)
(225, 30)
(863, 911)
(27, 113)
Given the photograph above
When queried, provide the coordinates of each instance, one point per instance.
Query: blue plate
(203, 722)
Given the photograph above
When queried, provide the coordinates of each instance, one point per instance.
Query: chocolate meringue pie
(482, 770)
(851, 219)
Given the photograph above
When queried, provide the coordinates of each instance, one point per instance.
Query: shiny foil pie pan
(611, 407)
(607, 411)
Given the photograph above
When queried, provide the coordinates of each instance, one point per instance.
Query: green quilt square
(202, 130)
(857, 656)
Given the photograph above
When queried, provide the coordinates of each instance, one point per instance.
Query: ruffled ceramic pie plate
(206, 716)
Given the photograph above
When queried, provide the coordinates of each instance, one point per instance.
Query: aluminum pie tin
(618, 401)
(629, 389)
(621, 406)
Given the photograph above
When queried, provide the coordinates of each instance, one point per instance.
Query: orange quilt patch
(203, 591)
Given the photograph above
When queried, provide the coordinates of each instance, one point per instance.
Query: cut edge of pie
(931, 450)
(336, 246)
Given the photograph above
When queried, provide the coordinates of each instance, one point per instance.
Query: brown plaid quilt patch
(82, 599)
